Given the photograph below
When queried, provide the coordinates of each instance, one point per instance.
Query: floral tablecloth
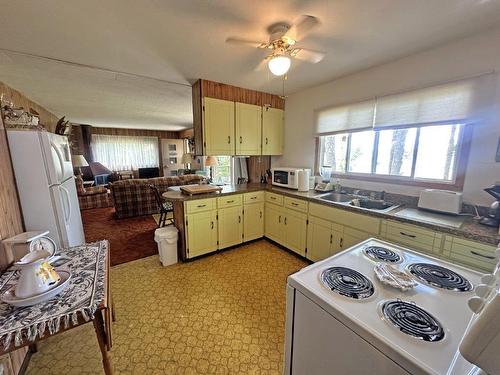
(86, 292)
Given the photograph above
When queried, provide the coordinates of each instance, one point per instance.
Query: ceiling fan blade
(301, 28)
(307, 55)
(251, 43)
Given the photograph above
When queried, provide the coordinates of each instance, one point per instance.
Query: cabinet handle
(482, 255)
(241, 140)
(239, 219)
(231, 201)
(212, 225)
(285, 220)
(279, 219)
(294, 204)
(407, 235)
(261, 214)
(201, 205)
(341, 242)
(272, 198)
(253, 197)
(266, 140)
(229, 139)
(331, 238)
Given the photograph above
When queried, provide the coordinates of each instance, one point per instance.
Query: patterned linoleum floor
(223, 314)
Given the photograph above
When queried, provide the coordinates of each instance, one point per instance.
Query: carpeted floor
(130, 239)
(222, 314)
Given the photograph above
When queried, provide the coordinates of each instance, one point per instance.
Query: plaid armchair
(134, 197)
(91, 197)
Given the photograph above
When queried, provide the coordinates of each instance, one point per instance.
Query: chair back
(157, 195)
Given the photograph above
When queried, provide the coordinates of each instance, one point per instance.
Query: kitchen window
(418, 154)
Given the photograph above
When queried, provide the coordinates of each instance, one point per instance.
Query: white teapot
(37, 275)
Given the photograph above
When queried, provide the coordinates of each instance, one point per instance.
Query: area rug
(129, 239)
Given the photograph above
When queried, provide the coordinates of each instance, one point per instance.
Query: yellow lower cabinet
(201, 230)
(274, 219)
(470, 253)
(319, 239)
(230, 226)
(295, 231)
(352, 237)
(253, 221)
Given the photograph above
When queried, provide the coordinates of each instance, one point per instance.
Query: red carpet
(129, 239)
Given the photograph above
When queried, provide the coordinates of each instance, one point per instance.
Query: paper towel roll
(304, 180)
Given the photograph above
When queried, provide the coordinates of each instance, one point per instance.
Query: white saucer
(10, 297)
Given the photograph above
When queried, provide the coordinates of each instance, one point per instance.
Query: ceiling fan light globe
(279, 65)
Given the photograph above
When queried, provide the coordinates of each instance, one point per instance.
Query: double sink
(360, 202)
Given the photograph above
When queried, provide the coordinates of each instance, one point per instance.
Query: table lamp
(211, 161)
(79, 162)
(187, 159)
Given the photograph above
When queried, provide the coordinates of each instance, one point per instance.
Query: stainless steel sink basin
(372, 204)
(336, 197)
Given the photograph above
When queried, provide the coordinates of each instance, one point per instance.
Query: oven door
(281, 178)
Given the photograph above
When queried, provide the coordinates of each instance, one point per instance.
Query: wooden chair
(164, 208)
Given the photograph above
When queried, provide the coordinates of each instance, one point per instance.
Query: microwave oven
(286, 177)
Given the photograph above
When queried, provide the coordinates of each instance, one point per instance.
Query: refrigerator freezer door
(57, 157)
(67, 212)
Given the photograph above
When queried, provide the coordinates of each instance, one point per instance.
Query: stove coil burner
(347, 282)
(382, 253)
(440, 277)
(413, 320)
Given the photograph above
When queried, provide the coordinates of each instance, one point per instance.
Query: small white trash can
(166, 238)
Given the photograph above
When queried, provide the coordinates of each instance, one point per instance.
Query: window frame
(456, 184)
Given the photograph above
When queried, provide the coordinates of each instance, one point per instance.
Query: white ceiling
(182, 40)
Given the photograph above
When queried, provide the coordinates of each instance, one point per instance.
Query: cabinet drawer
(295, 204)
(470, 253)
(274, 198)
(364, 222)
(200, 205)
(412, 236)
(257, 196)
(230, 201)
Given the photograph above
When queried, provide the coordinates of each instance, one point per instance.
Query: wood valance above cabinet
(234, 142)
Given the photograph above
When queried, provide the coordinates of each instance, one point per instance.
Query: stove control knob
(476, 304)
(488, 279)
(483, 290)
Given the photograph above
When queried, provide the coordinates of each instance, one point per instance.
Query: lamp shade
(279, 65)
(187, 158)
(211, 161)
(79, 161)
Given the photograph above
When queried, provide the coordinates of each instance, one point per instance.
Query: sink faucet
(338, 187)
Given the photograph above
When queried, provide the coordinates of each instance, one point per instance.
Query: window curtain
(344, 118)
(120, 153)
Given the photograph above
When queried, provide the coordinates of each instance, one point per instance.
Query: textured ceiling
(180, 41)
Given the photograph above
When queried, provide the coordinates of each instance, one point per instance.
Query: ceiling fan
(283, 38)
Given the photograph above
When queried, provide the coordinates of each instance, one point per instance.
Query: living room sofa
(92, 197)
(134, 197)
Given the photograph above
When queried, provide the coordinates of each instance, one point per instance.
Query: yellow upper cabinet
(248, 127)
(272, 131)
(218, 127)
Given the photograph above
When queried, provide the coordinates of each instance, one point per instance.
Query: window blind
(344, 118)
(451, 103)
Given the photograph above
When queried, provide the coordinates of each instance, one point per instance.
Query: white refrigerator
(46, 185)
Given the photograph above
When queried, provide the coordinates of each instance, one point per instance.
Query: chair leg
(160, 220)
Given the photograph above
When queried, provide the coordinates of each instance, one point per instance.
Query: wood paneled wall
(46, 118)
(162, 134)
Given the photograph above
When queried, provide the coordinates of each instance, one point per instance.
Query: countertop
(469, 230)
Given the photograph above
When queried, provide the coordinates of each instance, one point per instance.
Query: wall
(475, 54)
(46, 118)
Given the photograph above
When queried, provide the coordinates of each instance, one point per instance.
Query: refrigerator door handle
(60, 159)
(67, 212)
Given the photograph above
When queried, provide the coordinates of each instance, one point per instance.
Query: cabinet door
(248, 129)
(218, 127)
(230, 226)
(274, 219)
(253, 221)
(295, 231)
(319, 239)
(272, 131)
(352, 237)
(201, 233)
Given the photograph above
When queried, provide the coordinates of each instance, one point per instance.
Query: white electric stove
(342, 320)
